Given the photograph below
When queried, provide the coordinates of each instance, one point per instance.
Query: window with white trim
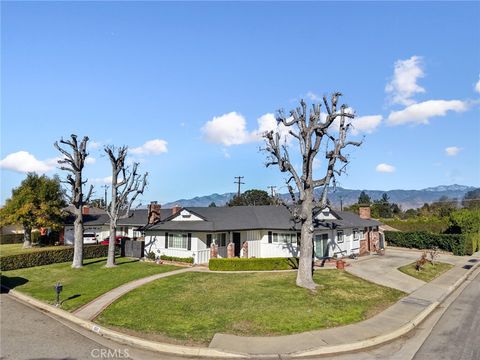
(340, 236)
(356, 235)
(221, 239)
(177, 241)
(283, 238)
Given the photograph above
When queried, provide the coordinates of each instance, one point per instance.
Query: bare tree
(73, 162)
(125, 190)
(309, 130)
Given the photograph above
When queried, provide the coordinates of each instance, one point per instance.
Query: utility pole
(272, 190)
(238, 182)
(341, 203)
(105, 187)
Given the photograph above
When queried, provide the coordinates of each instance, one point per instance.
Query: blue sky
(187, 86)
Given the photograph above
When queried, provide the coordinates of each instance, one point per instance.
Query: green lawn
(14, 249)
(80, 286)
(191, 308)
(429, 271)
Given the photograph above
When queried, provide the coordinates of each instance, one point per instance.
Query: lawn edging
(213, 353)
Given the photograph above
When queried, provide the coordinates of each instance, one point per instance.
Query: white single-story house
(258, 231)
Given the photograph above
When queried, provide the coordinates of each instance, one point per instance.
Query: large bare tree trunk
(113, 220)
(309, 130)
(27, 237)
(111, 246)
(124, 193)
(73, 163)
(305, 265)
(78, 240)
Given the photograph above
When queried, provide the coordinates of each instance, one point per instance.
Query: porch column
(245, 249)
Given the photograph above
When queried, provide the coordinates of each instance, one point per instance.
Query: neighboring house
(11, 229)
(258, 231)
(97, 221)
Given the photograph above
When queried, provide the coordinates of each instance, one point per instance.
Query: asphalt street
(457, 333)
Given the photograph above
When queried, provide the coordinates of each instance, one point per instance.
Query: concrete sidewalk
(391, 323)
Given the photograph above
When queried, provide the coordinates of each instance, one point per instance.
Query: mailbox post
(58, 289)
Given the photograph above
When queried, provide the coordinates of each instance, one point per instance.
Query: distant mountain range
(407, 199)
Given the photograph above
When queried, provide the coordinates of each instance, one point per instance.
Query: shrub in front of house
(188, 260)
(458, 244)
(253, 264)
(49, 256)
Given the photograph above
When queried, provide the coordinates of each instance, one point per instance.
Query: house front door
(321, 246)
(237, 242)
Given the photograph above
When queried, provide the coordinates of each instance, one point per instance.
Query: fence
(202, 256)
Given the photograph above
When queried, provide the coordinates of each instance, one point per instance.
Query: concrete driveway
(383, 270)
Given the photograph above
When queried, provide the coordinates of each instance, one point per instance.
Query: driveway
(382, 270)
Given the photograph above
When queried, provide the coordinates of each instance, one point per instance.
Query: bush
(11, 239)
(258, 264)
(188, 260)
(421, 224)
(459, 244)
(49, 256)
(151, 255)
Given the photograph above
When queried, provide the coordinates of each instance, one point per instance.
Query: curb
(206, 352)
(123, 338)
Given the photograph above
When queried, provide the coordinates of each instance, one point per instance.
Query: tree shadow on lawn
(70, 298)
(9, 283)
(96, 261)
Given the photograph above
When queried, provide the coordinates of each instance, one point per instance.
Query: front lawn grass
(190, 308)
(429, 271)
(80, 286)
(15, 249)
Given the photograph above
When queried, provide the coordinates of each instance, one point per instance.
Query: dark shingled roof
(138, 217)
(254, 218)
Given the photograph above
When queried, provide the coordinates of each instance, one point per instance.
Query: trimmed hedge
(188, 260)
(257, 264)
(421, 224)
(11, 239)
(458, 244)
(50, 256)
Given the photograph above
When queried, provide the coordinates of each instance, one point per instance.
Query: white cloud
(228, 129)
(477, 86)
(151, 147)
(404, 83)
(104, 180)
(421, 113)
(23, 162)
(452, 150)
(385, 168)
(360, 125)
(365, 124)
(268, 122)
(90, 160)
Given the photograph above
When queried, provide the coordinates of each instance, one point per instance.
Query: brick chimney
(154, 212)
(85, 210)
(364, 212)
(176, 209)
